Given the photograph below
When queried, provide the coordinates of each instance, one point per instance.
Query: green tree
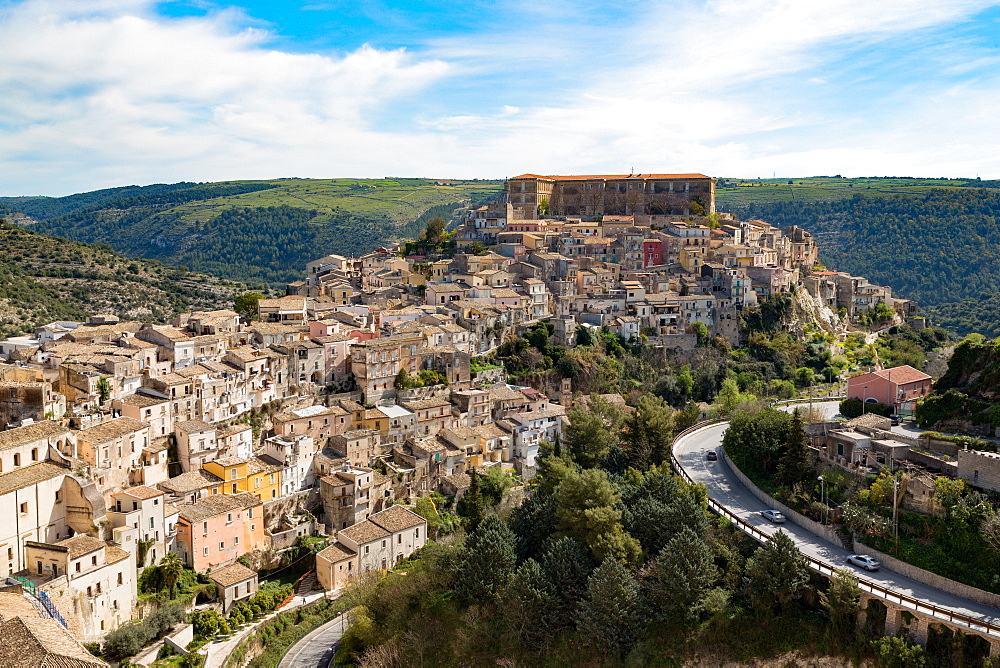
(650, 432)
(776, 574)
(527, 605)
(494, 485)
(403, 380)
(533, 522)
(567, 567)
(585, 510)
(608, 618)
(543, 207)
(435, 227)
(755, 441)
(681, 575)
(895, 652)
(730, 398)
(171, 568)
(841, 601)
(688, 416)
(103, 389)
(592, 430)
(246, 304)
(700, 330)
(486, 562)
(472, 505)
(794, 467)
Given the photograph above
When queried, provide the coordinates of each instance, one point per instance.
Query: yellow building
(264, 477)
(261, 476)
(232, 470)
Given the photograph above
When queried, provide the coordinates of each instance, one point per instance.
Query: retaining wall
(793, 516)
(930, 579)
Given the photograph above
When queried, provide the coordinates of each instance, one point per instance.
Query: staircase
(306, 584)
(845, 538)
(41, 599)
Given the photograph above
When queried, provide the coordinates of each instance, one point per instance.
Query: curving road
(317, 649)
(723, 486)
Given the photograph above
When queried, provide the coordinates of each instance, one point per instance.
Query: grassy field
(396, 200)
(734, 193)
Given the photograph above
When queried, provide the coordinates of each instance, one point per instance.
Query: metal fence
(976, 624)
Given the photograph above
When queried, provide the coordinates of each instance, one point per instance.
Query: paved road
(316, 650)
(727, 490)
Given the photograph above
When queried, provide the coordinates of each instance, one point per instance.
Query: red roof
(610, 177)
(902, 375)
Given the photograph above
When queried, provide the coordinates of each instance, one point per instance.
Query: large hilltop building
(610, 194)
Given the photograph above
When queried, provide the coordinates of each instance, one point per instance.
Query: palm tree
(171, 568)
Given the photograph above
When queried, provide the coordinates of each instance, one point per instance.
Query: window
(98, 587)
(222, 544)
(400, 541)
(236, 541)
(24, 508)
(78, 567)
(205, 551)
(58, 496)
(256, 483)
(204, 527)
(93, 560)
(250, 512)
(17, 459)
(272, 478)
(383, 543)
(120, 579)
(34, 454)
(253, 527)
(229, 518)
(89, 592)
(366, 549)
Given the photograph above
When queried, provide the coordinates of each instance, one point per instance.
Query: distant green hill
(44, 278)
(260, 232)
(739, 196)
(937, 245)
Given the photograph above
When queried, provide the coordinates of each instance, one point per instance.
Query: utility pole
(822, 496)
(895, 506)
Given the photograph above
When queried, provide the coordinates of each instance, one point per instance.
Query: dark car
(895, 420)
(711, 456)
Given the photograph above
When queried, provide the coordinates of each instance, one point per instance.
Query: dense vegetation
(262, 232)
(939, 247)
(44, 279)
(965, 399)
(957, 537)
(602, 565)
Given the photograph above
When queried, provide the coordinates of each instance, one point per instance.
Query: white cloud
(108, 93)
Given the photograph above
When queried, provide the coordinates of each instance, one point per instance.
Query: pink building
(891, 387)
(220, 528)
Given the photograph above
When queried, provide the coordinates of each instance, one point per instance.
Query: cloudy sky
(100, 93)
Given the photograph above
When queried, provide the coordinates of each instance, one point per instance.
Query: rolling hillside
(44, 278)
(259, 232)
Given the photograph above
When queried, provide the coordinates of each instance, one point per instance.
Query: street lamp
(822, 496)
(864, 399)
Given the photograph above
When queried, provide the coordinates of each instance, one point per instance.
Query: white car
(773, 515)
(864, 561)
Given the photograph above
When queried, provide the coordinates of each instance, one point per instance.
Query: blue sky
(115, 92)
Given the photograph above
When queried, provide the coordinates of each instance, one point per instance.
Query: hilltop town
(224, 437)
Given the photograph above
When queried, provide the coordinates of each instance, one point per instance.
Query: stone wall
(283, 539)
(981, 469)
(930, 579)
(276, 509)
(794, 517)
